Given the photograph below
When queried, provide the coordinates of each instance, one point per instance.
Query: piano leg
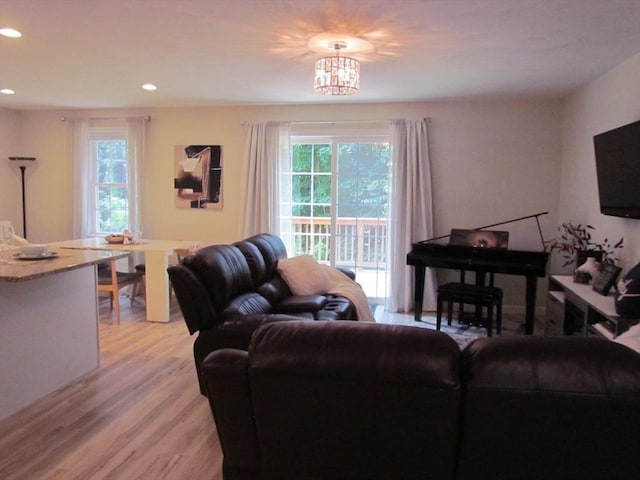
(530, 306)
(418, 294)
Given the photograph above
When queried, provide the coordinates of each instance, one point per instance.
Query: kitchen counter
(48, 323)
(14, 269)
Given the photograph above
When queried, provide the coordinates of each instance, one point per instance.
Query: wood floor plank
(139, 415)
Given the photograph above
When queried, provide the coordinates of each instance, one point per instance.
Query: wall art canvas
(198, 176)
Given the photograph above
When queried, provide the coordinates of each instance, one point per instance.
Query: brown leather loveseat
(226, 291)
(349, 400)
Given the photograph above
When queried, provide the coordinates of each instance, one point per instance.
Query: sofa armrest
(194, 301)
(301, 303)
(226, 379)
(348, 272)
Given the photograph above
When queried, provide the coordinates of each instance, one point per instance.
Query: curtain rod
(334, 122)
(146, 118)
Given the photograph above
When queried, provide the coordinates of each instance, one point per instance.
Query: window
(340, 197)
(110, 174)
(108, 157)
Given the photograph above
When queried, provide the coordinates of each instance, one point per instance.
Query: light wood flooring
(138, 416)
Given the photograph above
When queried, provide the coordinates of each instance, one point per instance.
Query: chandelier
(337, 75)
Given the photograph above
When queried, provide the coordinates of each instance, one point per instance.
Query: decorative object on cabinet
(575, 242)
(627, 299)
(606, 278)
(588, 270)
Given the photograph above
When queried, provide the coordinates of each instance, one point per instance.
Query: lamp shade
(337, 75)
(22, 161)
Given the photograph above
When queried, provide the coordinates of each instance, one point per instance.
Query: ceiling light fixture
(337, 75)
(7, 91)
(10, 32)
(150, 87)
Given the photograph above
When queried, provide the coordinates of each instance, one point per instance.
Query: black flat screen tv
(618, 170)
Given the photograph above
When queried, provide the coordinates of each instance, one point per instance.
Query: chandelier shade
(337, 75)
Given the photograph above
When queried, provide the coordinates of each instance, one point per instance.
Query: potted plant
(575, 244)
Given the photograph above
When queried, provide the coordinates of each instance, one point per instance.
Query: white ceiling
(97, 53)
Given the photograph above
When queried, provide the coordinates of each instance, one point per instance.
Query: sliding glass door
(340, 198)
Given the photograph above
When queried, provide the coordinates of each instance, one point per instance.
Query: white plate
(22, 256)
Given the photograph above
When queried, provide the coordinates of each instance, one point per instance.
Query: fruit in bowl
(114, 238)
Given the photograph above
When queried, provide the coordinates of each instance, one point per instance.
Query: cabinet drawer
(554, 324)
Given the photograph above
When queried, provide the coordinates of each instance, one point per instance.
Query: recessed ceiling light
(7, 91)
(10, 32)
(149, 86)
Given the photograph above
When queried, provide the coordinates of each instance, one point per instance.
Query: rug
(462, 334)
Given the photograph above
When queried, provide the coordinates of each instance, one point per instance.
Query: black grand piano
(530, 264)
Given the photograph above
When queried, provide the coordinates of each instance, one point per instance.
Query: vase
(587, 271)
(583, 255)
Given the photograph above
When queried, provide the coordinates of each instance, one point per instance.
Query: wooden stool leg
(489, 320)
(499, 318)
(449, 312)
(438, 313)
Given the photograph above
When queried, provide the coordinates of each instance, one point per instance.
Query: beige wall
(608, 102)
(492, 160)
(10, 196)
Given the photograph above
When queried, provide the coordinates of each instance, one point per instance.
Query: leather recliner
(348, 400)
(226, 291)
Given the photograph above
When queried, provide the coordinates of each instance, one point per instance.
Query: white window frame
(97, 134)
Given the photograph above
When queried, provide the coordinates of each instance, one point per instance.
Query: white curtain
(268, 198)
(411, 212)
(136, 132)
(82, 176)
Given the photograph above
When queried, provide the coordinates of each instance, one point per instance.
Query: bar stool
(480, 296)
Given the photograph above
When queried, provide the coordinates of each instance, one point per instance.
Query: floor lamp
(23, 163)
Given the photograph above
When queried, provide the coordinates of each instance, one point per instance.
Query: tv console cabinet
(576, 309)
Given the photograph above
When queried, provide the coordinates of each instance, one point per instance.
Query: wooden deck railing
(359, 242)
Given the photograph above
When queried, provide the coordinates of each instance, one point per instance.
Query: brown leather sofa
(347, 400)
(226, 291)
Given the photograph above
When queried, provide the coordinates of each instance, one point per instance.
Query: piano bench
(480, 296)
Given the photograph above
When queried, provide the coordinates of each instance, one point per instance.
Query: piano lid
(453, 231)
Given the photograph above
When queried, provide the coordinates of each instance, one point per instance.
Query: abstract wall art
(198, 176)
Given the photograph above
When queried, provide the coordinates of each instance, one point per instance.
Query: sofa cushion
(329, 401)
(275, 290)
(538, 407)
(301, 303)
(256, 262)
(250, 303)
(304, 275)
(272, 249)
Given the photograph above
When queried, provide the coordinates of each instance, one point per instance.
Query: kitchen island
(48, 322)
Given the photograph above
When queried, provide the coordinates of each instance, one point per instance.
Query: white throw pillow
(630, 338)
(304, 275)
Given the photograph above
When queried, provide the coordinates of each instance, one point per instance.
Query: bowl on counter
(114, 238)
(34, 250)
